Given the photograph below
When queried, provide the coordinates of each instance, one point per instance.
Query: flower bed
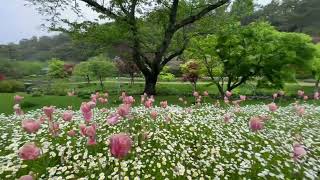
(168, 142)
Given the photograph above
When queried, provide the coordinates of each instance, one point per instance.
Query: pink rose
(205, 93)
(243, 98)
(29, 151)
(164, 104)
(91, 141)
(17, 110)
(103, 100)
(90, 131)
(120, 145)
(275, 95)
(128, 100)
(154, 115)
(298, 151)
(67, 116)
(71, 133)
(124, 110)
(272, 107)
(228, 93)
(300, 93)
(31, 126)
(83, 129)
(256, 124)
(26, 177)
(113, 119)
(48, 111)
(148, 103)
(17, 99)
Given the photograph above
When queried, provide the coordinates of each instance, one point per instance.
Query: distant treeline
(44, 48)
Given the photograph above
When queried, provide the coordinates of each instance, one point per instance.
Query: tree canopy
(156, 31)
(238, 53)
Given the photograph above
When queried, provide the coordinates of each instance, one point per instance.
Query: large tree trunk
(150, 84)
(317, 85)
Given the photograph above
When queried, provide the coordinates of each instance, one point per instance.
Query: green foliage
(83, 69)
(101, 67)
(9, 86)
(256, 50)
(43, 48)
(165, 75)
(59, 88)
(315, 65)
(18, 69)
(292, 15)
(56, 69)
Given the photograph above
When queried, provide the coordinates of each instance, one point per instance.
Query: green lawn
(170, 91)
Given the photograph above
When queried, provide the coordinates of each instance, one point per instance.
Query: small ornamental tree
(101, 67)
(82, 69)
(191, 72)
(127, 67)
(56, 69)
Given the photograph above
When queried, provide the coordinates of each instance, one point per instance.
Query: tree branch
(191, 19)
(175, 54)
(101, 8)
(170, 30)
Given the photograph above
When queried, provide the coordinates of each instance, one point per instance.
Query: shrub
(10, 86)
(59, 88)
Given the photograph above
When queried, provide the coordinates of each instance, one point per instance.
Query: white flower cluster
(195, 143)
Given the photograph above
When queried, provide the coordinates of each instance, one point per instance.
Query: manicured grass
(170, 91)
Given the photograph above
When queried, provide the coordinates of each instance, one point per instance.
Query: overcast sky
(19, 21)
